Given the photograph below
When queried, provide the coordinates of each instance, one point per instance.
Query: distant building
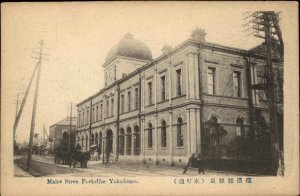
(41, 145)
(195, 97)
(61, 130)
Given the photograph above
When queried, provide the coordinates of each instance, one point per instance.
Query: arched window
(93, 139)
(240, 127)
(86, 142)
(163, 134)
(122, 141)
(96, 139)
(128, 141)
(213, 123)
(100, 142)
(136, 138)
(150, 140)
(82, 144)
(78, 140)
(65, 136)
(109, 141)
(179, 132)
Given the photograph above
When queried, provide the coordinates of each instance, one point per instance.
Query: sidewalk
(20, 172)
(140, 169)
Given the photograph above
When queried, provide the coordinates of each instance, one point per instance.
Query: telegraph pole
(271, 88)
(70, 132)
(17, 109)
(17, 106)
(24, 101)
(35, 105)
(266, 22)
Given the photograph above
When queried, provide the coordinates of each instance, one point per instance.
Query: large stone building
(195, 97)
(61, 130)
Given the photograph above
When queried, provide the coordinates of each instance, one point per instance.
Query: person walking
(96, 155)
(195, 160)
(107, 158)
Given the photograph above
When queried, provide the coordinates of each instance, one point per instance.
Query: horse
(81, 157)
(62, 154)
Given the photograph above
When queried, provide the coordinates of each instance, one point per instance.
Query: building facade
(61, 131)
(196, 97)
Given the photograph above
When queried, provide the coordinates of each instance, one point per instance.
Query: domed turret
(130, 47)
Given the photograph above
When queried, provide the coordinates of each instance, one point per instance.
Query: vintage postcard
(149, 98)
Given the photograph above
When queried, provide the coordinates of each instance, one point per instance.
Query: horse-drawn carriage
(64, 156)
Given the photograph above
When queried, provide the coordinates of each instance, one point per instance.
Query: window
(136, 139)
(112, 106)
(97, 111)
(93, 139)
(96, 139)
(100, 142)
(179, 132)
(261, 79)
(237, 84)
(129, 142)
(107, 108)
(240, 127)
(83, 118)
(88, 116)
(211, 88)
(82, 141)
(129, 101)
(136, 98)
(93, 115)
(122, 103)
(150, 93)
(101, 110)
(122, 142)
(86, 143)
(79, 118)
(178, 82)
(163, 134)
(150, 141)
(163, 88)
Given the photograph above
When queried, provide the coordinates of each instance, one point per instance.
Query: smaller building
(61, 130)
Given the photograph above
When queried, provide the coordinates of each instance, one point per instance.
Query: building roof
(239, 51)
(66, 121)
(130, 47)
(262, 50)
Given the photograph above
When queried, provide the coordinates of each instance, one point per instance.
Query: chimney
(166, 49)
(198, 34)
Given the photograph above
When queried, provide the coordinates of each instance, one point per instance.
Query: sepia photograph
(110, 94)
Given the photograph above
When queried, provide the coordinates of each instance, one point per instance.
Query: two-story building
(62, 130)
(195, 97)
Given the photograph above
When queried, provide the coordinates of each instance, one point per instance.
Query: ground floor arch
(109, 141)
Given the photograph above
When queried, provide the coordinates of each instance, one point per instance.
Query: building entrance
(109, 141)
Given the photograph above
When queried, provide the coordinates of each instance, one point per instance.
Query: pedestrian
(96, 155)
(107, 157)
(195, 160)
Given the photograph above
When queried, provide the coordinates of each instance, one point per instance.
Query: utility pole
(267, 23)
(17, 106)
(44, 135)
(24, 101)
(35, 105)
(70, 132)
(271, 90)
(17, 109)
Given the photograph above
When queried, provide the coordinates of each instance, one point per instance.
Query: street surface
(44, 166)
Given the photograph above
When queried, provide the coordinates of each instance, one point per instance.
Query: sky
(78, 37)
